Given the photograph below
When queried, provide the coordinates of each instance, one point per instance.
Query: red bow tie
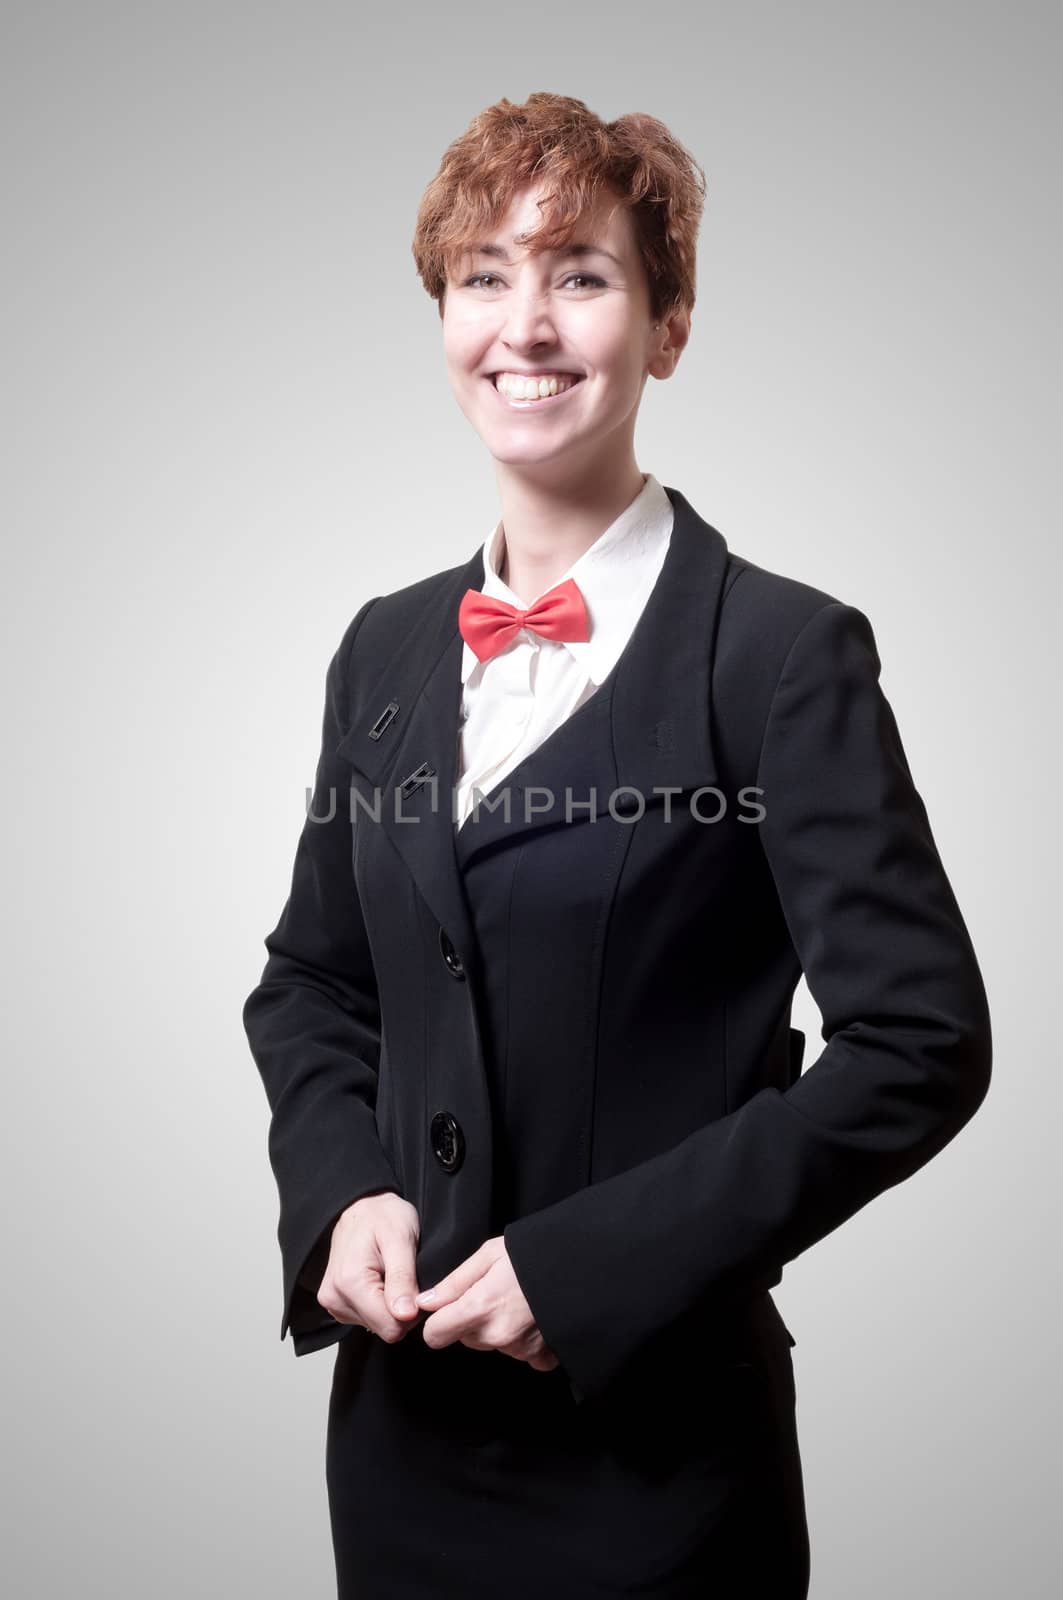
(487, 625)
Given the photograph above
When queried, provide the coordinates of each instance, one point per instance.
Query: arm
(313, 1024)
(907, 1061)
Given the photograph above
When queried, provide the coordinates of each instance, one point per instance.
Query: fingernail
(427, 1294)
(404, 1304)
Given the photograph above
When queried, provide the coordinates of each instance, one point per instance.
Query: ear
(670, 336)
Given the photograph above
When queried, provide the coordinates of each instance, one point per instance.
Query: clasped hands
(371, 1280)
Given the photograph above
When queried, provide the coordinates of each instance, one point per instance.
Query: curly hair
(556, 140)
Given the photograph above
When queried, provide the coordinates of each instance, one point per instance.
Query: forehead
(604, 224)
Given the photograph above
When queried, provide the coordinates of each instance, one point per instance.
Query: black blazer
(694, 1158)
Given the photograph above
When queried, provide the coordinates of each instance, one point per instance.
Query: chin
(528, 456)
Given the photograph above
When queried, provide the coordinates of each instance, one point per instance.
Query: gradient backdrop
(226, 425)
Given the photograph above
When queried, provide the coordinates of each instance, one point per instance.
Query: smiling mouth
(533, 401)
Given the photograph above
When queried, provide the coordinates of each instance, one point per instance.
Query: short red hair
(555, 140)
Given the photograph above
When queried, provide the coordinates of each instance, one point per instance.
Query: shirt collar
(614, 576)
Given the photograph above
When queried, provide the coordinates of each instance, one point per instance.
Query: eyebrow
(565, 252)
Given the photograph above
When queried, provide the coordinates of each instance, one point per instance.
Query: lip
(547, 403)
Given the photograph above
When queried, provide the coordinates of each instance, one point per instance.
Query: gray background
(227, 424)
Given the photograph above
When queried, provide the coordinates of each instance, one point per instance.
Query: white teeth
(518, 387)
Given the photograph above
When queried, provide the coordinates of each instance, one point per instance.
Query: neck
(547, 525)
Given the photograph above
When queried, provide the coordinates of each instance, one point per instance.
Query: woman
(587, 806)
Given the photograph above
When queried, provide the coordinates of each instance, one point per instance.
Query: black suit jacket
(701, 1159)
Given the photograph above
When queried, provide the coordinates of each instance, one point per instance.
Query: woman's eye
(589, 278)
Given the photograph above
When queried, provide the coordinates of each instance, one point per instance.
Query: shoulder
(385, 620)
(769, 624)
(763, 615)
(767, 606)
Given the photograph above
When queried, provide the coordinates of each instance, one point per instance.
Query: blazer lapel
(647, 727)
(403, 742)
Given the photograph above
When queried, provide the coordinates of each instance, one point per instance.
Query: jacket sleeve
(313, 1024)
(889, 962)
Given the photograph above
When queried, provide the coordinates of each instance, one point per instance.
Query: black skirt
(466, 1473)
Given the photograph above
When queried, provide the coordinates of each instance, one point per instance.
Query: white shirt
(514, 700)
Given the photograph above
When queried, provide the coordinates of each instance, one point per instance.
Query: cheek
(621, 378)
(461, 342)
(613, 351)
(455, 355)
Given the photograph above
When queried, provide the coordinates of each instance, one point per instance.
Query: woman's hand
(371, 1278)
(483, 1306)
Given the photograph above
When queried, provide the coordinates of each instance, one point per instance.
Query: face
(583, 316)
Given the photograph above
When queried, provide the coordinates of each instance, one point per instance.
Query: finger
(398, 1259)
(531, 1348)
(375, 1312)
(446, 1290)
(339, 1297)
(441, 1329)
(465, 1319)
(355, 1295)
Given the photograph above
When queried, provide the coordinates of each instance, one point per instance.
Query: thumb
(400, 1279)
(454, 1285)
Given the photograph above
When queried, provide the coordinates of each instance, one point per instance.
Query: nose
(529, 321)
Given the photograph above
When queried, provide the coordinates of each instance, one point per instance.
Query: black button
(450, 955)
(448, 1141)
(627, 804)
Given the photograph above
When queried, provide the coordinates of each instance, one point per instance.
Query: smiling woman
(557, 245)
(534, 1087)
